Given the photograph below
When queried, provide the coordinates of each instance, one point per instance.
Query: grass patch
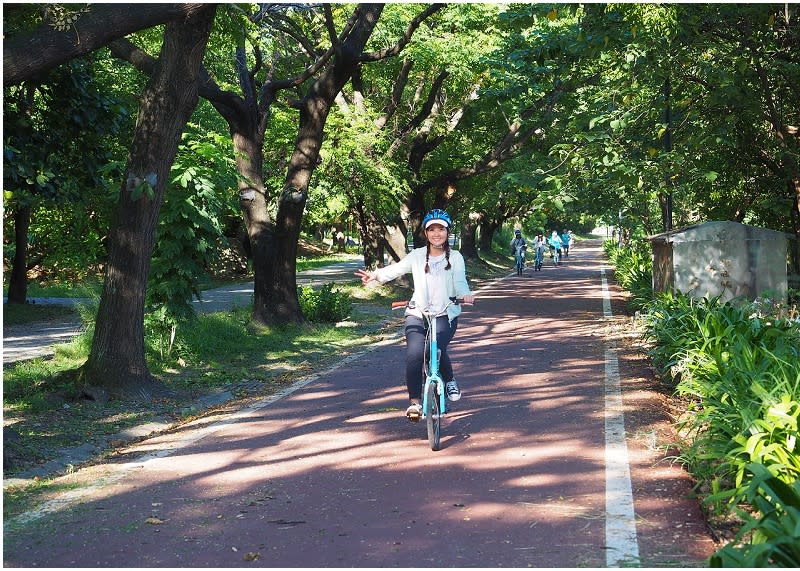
(20, 499)
(304, 264)
(18, 314)
(90, 287)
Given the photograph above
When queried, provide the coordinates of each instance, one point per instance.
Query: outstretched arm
(365, 276)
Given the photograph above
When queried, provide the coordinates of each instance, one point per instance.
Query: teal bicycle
(519, 259)
(555, 254)
(434, 400)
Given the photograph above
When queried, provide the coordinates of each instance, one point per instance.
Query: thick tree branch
(288, 27)
(29, 55)
(406, 37)
(331, 28)
(400, 83)
(423, 114)
(227, 103)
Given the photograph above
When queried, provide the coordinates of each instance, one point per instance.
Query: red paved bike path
(332, 475)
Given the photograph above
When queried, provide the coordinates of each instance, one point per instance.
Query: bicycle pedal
(413, 416)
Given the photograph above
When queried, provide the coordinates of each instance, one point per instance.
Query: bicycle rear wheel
(433, 416)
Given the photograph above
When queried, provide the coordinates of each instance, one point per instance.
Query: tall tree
(40, 172)
(116, 363)
(273, 237)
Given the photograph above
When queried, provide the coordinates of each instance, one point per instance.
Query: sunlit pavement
(330, 474)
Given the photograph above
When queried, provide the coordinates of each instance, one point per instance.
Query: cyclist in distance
(518, 247)
(439, 274)
(518, 241)
(555, 243)
(539, 246)
(565, 243)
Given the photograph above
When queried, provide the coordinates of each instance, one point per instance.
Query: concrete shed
(721, 258)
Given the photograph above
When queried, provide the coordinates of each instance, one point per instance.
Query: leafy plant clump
(633, 270)
(324, 305)
(774, 537)
(738, 367)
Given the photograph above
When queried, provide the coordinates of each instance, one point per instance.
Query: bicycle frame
(519, 259)
(432, 374)
(433, 377)
(539, 259)
(554, 254)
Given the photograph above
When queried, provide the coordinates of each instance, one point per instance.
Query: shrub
(740, 371)
(325, 304)
(633, 270)
(773, 538)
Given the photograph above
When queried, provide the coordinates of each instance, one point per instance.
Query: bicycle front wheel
(433, 416)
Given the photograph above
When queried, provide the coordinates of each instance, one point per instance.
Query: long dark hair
(446, 255)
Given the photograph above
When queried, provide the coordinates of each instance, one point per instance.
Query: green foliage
(773, 538)
(59, 136)
(633, 269)
(325, 304)
(739, 367)
(190, 226)
(355, 173)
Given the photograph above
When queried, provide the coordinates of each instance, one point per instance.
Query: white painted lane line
(622, 547)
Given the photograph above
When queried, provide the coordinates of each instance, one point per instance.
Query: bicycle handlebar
(453, 300)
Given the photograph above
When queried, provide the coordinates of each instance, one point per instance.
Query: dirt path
(331, 474)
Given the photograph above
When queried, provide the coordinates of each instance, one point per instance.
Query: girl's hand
(365, 276)
(469, 299)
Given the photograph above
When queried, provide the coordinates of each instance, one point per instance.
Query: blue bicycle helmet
(437, 216)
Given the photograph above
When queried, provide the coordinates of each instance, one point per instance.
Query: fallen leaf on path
(251, 555)
(153, 521)
(286, 522)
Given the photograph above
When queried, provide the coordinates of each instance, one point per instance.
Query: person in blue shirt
(566, 239)
(555, 244)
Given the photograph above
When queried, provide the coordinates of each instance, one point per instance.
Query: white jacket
(455, 278)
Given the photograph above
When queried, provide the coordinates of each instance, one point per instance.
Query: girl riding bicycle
(539, 246)
(439, 274)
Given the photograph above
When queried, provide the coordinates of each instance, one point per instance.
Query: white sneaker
(452, 391)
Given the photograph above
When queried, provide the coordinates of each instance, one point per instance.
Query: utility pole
(668, 148)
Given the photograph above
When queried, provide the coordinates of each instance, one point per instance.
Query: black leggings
(416, 348)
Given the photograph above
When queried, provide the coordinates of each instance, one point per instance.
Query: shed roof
(717, 230)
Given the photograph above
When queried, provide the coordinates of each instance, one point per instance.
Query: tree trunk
(116, 365)
(277, 301)
(468, 244)
(395, 239)
(416, 212)
(370, 231)
(255, 212)
(18, 281)
(794, 245)
(487, 234)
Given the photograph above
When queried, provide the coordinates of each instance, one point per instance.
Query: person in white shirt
(539, 246)
(439, 274)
